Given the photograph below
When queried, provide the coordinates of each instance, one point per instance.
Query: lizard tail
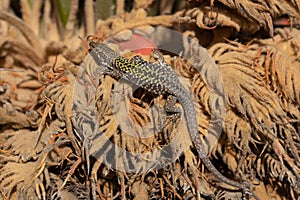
(192, 123)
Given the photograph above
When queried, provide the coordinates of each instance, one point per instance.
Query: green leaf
(63, 8)
(103, 8)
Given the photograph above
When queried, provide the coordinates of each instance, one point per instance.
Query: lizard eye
(93, 44)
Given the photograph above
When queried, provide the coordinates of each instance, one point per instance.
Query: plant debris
(48, 151)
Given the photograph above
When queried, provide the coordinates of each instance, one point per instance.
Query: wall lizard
(158, 78)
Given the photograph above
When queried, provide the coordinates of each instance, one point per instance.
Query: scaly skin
(158, 79)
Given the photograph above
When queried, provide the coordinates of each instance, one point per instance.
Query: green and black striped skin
(159, 79)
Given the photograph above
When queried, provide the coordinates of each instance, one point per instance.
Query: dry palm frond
(24, 175)
(206, 18)
(278, 64)
(135, 19)
(19, 73)
(26, 32)
(256, 117)
(261, 11)
(73, 189)
(21, 177)
(242, 15)
(65, 134)
(60, 94)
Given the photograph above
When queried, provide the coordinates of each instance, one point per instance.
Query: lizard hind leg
(171, 108)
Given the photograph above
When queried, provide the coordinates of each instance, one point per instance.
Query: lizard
(158, 78)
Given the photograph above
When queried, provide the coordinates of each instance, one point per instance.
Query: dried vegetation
(44, 155)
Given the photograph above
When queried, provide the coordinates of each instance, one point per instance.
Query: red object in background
(138, 44)
(282, 21)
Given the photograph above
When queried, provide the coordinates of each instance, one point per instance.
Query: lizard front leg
(159, 57)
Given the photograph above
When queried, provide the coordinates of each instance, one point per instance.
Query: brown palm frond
(256, 115)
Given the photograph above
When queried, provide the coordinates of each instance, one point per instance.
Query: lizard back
(152, 77)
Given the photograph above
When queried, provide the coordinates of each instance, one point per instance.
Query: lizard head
(103, 55)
